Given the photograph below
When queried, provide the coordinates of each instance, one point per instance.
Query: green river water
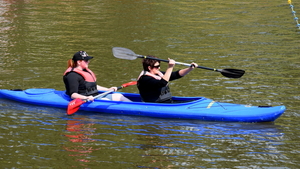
(37, 37)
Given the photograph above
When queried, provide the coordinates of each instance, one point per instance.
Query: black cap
(81, 55)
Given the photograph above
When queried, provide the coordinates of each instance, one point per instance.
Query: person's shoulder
(73, 74)
(145, 77)
(141, 78)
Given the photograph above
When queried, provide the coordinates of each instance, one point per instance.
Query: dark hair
(149, 62)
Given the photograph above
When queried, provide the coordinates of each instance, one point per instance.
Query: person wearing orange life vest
(153, 84)
(80, 82)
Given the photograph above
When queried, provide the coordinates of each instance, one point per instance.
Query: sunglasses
(158, 66)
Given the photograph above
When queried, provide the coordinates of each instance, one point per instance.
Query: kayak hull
(198, 108)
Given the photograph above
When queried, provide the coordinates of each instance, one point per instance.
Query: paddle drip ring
(294, 13)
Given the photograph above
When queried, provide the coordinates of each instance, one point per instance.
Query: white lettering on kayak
(210, 104)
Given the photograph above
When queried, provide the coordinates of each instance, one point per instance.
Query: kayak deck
(199, 108)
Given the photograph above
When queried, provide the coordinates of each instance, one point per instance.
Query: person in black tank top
(153, 84)
(80, 82)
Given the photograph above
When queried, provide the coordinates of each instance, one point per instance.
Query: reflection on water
(80, 133)
(157, 143)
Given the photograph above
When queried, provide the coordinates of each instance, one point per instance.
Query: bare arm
(169, 70)
(185, 71)
(105, 88)
(79, 96)
(91, 98)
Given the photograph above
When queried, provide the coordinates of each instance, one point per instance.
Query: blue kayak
(199, 108)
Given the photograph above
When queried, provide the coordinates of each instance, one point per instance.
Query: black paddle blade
(123, 53)
(232, 73)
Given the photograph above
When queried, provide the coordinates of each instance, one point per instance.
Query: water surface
(38, 37)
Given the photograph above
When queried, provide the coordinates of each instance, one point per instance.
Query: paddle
(124, 53)
(75, 104)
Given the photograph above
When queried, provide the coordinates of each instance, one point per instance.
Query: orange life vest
(90, 81)
(88, 75)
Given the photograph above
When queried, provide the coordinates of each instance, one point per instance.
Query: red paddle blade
(129, 84)
(74, 105)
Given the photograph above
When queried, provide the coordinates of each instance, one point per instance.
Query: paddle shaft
(124, 53)
(105, 93)
(178, 63)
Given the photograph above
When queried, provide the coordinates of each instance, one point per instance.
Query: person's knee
(120, 97)
(117, 97)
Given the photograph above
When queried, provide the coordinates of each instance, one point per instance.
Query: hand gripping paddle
(75, 104)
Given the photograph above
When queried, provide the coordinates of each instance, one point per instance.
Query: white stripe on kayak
(210, 104)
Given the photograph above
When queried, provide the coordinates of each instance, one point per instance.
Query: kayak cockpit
(136, 98)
